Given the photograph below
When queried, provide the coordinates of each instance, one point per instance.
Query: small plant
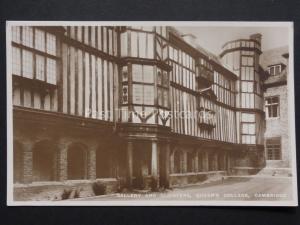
(154, 184)
(99, 188)
(66, 194)
(77, 193)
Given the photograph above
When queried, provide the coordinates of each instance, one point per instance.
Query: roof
(273, 56)
(276, 80)
(214, 58)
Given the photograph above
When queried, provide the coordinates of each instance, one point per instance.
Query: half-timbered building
(143, 105)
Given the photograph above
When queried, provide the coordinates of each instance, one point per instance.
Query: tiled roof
(279, 79)
(273, 56)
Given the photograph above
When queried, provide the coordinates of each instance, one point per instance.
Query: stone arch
(44, 161)
(77, 161)
(18, 162)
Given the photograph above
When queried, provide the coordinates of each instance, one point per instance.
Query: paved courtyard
(234, 189)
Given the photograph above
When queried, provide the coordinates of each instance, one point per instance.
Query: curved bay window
(140, 86)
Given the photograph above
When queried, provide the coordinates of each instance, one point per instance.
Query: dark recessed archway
(44, 161)
(77, 162)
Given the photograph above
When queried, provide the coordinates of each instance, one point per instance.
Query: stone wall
(54, 190)
(278, 127)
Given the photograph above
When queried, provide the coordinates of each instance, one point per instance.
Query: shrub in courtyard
(99, 188)
(154, 184)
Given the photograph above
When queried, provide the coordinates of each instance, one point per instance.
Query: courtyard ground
(232, 189)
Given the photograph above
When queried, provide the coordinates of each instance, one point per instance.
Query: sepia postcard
(150, 113)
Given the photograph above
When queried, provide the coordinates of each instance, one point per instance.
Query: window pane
(27, 38)
(27, 64)
(148, 95)
(134, 41)
(248, 117)
(159, 77)
(16, 61)
(137, 94)
(166, 98)
(272, 71)
(160, 96)
(125, 94)
(16, 34)
(40, 40)
(277, 70)
(165, 80)
(274, 111)
(51, 44)
(275, 99)
(148, 74)
(137, 73)
(51, 71)
(125, 73)
(40, 67)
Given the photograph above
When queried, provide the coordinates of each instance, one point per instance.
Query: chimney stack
(256, 37)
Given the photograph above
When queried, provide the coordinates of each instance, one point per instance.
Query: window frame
(270, 105)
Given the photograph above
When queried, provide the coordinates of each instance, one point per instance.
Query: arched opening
(177, 162)
(18, 162)
(44, 161)
(211, 158)
(77, 161)
(103, 162)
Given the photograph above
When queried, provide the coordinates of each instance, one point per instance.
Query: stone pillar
(225, 161)
(172, 162)
(184, 162)
(63, 162)
(205, 162)
(27, 162)
(154, 159)
(129, 163)
(167, 165)
(196, 162)
(228, 163)
(92, 163)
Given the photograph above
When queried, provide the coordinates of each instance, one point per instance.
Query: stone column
(154, 164)
(228, 163)
(225, 161)
(92, 163)
(184, 162)
(27, 162)
(129, 163)
(172, 162)
(205, 162)
(167, 165)
(154, 159)
(63, 162)
(196, 162)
